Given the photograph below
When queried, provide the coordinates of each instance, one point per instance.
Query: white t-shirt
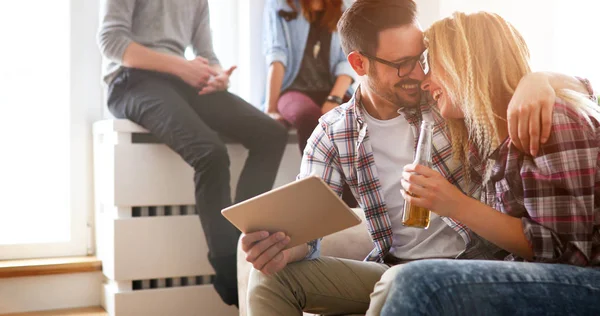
(393, 148)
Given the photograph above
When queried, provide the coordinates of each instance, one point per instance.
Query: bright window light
(34, 94)
(562, 35)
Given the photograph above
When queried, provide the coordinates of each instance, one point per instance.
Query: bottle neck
(423, 153)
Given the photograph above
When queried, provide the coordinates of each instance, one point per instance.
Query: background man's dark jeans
(190, 125)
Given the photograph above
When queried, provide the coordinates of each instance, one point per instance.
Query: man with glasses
(366, 143)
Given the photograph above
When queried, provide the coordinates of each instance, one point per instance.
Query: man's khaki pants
(326, 285)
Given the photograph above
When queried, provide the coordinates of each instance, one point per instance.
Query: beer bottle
(415, 216)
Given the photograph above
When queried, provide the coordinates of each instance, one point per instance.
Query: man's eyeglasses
(406, 66)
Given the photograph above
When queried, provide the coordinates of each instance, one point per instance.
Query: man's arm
(530, 109)
(114, 34)
(264, 250)
(141, 57)
(321, 159)
(116, 43)
(202, 37)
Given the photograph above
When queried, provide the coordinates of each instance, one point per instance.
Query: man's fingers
(534, 130)
(524, 130)
(213, 72)
(201, 59)
(221, 82)
(207, 90)
(249, 239)
(210, 87)
(271, 253)
(230, 70)
(546, 121)
(262, 246)
(513, 128)
(274, 265)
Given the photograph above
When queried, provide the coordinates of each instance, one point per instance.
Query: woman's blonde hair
(479, 60)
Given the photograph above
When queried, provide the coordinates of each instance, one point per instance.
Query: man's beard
(390, 95)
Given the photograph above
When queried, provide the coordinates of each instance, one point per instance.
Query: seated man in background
(185, 104)
(365, 143)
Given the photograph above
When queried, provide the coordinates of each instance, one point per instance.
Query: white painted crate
(197, 300)
(136, 246)
(154, 247)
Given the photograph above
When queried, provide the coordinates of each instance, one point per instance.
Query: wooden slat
(33, 267)
(85, 311)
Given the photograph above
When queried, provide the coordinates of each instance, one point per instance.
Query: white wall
(252, 70)
(562, 35)
(87, 102)
(429, 11)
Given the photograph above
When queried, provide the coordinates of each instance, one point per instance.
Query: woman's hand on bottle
(429, 189)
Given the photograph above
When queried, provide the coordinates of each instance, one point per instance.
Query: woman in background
(543, 209)
(308, 74)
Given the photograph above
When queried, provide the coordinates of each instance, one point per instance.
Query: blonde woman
(544, 210)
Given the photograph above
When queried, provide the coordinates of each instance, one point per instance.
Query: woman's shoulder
(574, 114)
(573, 143)
(574, 128)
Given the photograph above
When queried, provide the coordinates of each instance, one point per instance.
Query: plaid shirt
(339, 151)
(556, 193)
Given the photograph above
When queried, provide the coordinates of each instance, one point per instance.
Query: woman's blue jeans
(473, 287)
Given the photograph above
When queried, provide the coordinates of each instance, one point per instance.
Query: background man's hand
(218, 83)
(196, 72)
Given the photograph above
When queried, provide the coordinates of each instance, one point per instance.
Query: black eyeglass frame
(422, 59)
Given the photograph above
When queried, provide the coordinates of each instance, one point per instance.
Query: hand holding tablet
(304, 210)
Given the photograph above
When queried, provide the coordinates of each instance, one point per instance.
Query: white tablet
(304, 210)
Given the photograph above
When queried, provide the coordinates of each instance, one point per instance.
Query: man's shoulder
(341, 118)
